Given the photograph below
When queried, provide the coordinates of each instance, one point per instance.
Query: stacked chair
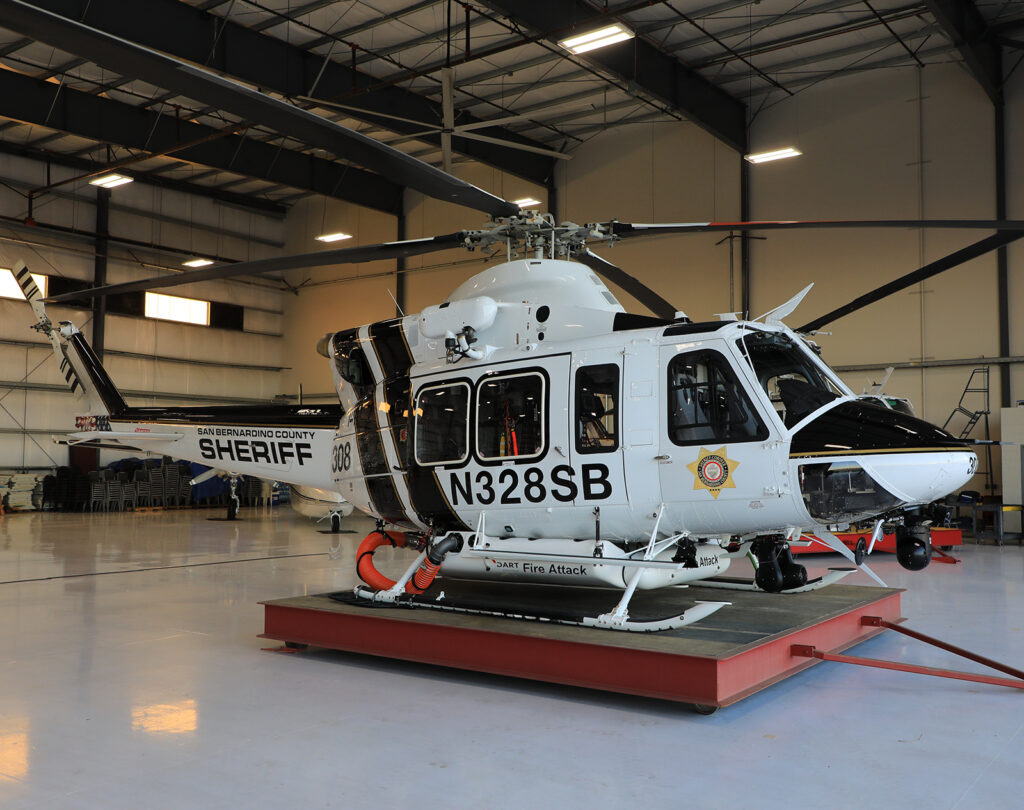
(97, 492)
(156, 484)
(171, 475)
(140, 478)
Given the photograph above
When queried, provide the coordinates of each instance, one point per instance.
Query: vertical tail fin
(78, 362)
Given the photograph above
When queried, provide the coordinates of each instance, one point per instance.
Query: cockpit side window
(794, 383)
(597, 417)
(707, 403)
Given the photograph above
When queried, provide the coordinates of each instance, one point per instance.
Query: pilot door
(596, 419)
(714, 469)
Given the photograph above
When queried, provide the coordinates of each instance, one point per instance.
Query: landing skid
(734, 584)
(368, 596)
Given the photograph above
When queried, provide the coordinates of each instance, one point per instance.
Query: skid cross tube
(809, 651)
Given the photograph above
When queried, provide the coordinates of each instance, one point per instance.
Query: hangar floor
(133, 677)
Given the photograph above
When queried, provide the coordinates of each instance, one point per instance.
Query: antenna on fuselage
(397, 305)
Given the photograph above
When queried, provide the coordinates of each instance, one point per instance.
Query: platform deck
(725, 657)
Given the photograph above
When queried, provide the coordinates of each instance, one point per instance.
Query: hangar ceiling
(520, 102)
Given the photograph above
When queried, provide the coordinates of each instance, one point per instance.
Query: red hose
(424, 577)
(364, 558)
(420, 581)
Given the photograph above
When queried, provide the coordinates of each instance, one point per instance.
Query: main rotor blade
(640, 291)
(626, 230)
(140, 62)
(359, 253)
(955, 259)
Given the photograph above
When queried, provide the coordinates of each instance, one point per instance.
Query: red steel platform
(735, 652)
(941, 539)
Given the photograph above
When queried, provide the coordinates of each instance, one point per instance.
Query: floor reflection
(166, 718)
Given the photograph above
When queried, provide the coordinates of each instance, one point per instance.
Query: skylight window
(173, 308)
(9, 285)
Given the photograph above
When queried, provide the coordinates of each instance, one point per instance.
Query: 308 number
(341, 458)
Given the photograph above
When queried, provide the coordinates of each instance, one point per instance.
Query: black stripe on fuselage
(386, 503)
(368, 442)
(380, 486)
(427, 498)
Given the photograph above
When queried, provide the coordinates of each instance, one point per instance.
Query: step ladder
(976, 392)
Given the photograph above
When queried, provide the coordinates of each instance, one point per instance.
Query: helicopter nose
(919, 478)
(858, 459)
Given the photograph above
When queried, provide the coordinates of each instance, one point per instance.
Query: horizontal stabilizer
(117, 435)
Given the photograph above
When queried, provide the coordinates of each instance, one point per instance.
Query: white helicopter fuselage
(568, 423)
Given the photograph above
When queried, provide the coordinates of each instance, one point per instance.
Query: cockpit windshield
(794, 383)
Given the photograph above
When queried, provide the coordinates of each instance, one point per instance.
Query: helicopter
(528, 428)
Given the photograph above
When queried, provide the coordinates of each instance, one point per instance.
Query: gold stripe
(882, 450)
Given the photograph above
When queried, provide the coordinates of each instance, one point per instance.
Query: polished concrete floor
(131, 676)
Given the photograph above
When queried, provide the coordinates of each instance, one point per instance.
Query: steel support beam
(269, 208)
(99, 276)
(744, 240)
(967, 30)
(639, 64)
(1002, 259)
(191, 33)
(32, 101)
(400, 268)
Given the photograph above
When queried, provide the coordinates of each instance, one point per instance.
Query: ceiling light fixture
(333, 237)
(198, 262)
(526, 202)
(110, 180)
(597, 39)
(778, 154)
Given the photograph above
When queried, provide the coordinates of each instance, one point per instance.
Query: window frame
(543, 410)
(455, 462)
(763, 432)
(577, 403)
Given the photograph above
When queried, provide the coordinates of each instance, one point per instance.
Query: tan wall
(668, 172)
(897, 144)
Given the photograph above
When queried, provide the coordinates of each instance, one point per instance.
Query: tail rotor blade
(30, 290)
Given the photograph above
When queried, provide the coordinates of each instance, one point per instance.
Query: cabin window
(707, 403)
(597, 412)
(442, 424)
(510, 416)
